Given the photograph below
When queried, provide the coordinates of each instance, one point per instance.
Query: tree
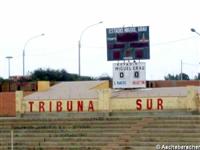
(177, 77)
(1, 79)
(56, 75)
(184, 76)
(171, 77)
(197, 77)
(104, 77)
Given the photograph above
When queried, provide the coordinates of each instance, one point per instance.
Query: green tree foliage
(1, 79)
(171, 77)
(184, 76)
(104, 77)
(56, 75)
(177, 77)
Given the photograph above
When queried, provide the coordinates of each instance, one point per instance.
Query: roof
(88, 90)
(68, 90)
(151, 92)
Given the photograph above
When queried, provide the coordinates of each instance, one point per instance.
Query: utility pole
(9, 57)
(181, 70)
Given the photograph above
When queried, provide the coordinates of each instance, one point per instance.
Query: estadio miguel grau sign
(128, 43)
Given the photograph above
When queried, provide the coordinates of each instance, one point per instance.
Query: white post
(11, 139)
(181, 70)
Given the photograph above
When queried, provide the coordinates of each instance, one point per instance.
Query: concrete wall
(105, 102)
(8, 86)
(189, 102)
(172, 83)
(43, 85)
(7, 104)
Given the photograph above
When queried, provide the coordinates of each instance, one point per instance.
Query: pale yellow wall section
(85, 105)
(19, 97)
(104, 85)
(43, 85)
(105, 102)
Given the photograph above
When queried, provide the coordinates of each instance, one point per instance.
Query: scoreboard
(129, 75)
(128, 43)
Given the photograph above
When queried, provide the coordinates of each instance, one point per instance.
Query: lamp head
(9, 57)
(193, 30)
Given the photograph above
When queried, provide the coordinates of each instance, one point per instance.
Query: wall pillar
(104, 100)
(193, 102)
(19, 98)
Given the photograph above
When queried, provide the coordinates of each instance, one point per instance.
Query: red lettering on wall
(31, 106)
(149, 104)
(69, 106)
(41, 107)
(50, 106)
(138, 103)
(160, 104)
(80, 106)
(90, 106)
(59, 106)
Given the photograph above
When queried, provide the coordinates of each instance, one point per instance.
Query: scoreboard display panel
(128, 43)
(129, 75)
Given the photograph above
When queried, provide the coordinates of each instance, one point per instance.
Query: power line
(173, 41)
(191, 64)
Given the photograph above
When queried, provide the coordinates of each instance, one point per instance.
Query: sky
(62, 22)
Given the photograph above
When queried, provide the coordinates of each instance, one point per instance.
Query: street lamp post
(9, 57)
(193, 30)
(79, 46)
(36, 36)
(181, 70)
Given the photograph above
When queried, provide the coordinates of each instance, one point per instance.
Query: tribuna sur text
(58, 106)
(80, 106)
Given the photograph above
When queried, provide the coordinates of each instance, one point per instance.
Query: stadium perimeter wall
(109, 101)
(7, 104)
